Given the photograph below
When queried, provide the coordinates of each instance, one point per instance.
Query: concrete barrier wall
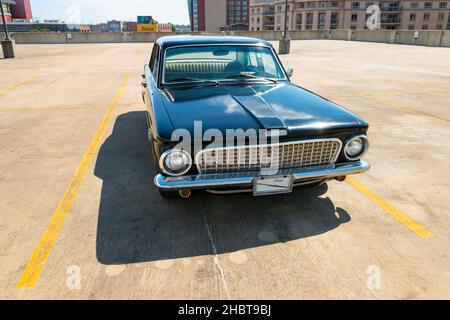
(445, 42)
(385, 36)
(89, 37)
(429, 38)
(39, 37)
(339, 34)
(308, 35)
(265, 35)
(424, 38)
(406, 37)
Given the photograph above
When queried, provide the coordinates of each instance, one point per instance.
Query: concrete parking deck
(77, 196)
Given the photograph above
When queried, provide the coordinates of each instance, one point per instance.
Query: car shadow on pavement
(136, 225)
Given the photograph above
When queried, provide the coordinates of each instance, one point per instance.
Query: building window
(442, 5)
(352, 27)
(440, 16)
(298, 21)
(426, 16)
(412, 17)
(6, 9)
(414, 5)
(368, 4)
(425, 27)
(411, 27)
(321, 19)
(334, 18)
(334, 4)
(428, 5)
(439, 27)
(355, 5)
(309, 21)
(354, 17)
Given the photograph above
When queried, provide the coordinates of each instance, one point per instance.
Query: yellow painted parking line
(389, 104)
(391, 94)
(54, 107)
(48, 239)
(400, 216)
(17, 85)
(83, 106)
(405, 108)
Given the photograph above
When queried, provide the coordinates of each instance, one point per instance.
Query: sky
(95, 11)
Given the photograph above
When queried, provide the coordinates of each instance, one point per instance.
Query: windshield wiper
(192, 80)
(251, 76)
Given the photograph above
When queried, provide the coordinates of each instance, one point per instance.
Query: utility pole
(7, 44)
(285, 42)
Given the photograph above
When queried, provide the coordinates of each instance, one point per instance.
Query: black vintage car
(224, 116)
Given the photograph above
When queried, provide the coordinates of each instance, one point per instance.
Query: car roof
(171, 41)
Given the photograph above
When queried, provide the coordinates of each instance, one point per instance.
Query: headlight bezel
(364, 150)
(167, 171)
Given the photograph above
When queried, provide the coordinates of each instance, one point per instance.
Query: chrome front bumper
(208, 181)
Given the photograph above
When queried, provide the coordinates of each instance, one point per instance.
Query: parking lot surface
(80, 217)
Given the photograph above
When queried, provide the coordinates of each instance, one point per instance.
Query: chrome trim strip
(206, 181)
(200, 153)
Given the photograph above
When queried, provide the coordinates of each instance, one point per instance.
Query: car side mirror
(289, 72)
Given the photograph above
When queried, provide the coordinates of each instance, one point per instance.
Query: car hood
(272, 106)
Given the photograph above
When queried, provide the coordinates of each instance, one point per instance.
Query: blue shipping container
(144, 19)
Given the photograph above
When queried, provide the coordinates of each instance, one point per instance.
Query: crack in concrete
(214, 251)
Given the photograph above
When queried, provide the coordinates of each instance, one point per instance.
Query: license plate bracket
(268, 185)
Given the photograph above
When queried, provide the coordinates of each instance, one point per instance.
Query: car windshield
(220, 62)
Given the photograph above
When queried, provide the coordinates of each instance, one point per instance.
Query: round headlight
(175, 162)
(356, 147)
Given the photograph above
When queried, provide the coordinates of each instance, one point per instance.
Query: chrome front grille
(298, 154)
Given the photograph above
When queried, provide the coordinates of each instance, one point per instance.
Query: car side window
(156, 64)
(151, 64)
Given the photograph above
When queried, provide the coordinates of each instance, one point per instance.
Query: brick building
(19, 11)
(218, 15)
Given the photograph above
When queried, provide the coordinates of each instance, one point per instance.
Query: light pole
(285, 42)
(7, 44)
(285, 19)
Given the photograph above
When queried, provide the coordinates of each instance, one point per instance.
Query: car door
(149, 86)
